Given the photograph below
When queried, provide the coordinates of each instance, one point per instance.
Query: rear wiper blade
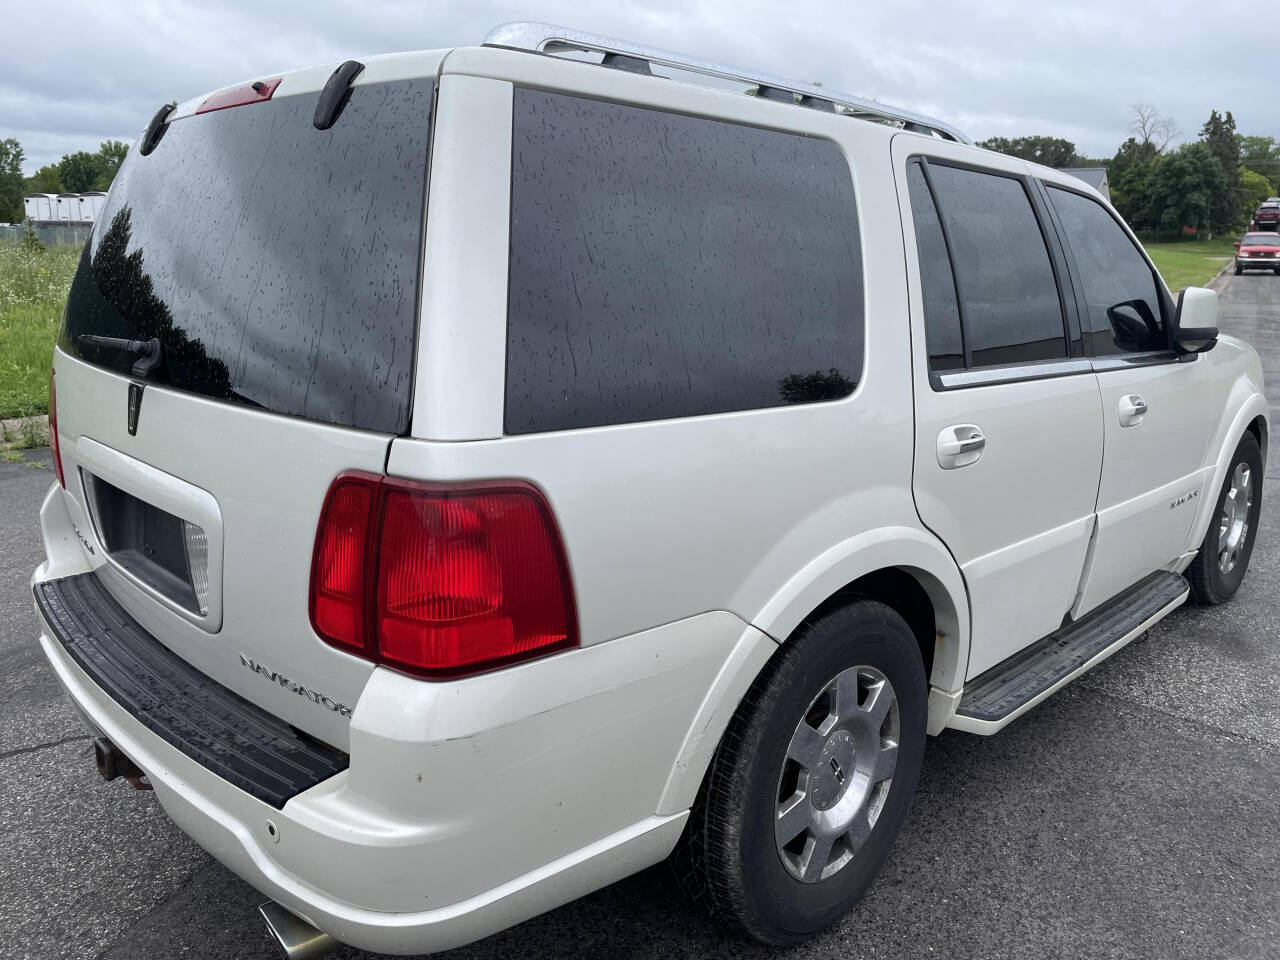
(150, 353)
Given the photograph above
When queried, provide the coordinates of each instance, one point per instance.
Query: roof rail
(549, 38)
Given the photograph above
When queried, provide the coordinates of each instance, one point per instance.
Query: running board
(1014, 686)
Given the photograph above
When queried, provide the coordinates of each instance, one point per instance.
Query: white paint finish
(174, 496)
(942, 707)
(460, 373)
(268, 475)
(469, 805)
(1237, 399)
(1017, 520)
(1148, 463)
(988, 727)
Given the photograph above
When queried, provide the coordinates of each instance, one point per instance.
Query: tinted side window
(669, 266)
(941, 310)
(1008, 294)
(1124, 304)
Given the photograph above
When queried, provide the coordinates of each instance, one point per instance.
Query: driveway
(1135, 814)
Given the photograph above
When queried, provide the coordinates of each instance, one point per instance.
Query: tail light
(53, 429)
(437, 580)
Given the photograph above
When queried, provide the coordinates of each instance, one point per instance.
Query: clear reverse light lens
(197, 545)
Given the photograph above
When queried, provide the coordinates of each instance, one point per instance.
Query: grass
(1190, 264)
(33, 289)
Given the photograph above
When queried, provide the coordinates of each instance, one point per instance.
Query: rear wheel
(812, 780)
(1219, 567)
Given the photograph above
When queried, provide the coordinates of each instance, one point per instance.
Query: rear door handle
(1132, 409)
(960, 446)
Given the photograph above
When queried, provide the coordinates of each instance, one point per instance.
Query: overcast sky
(99, 70)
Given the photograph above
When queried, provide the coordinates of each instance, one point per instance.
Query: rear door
(275, 268)
(1157, 409)
(1008, 419)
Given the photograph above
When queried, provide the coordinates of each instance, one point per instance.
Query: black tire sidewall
(1225, 585)
(864, 633)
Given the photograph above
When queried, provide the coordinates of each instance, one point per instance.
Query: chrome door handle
(960, 446)
(1132, 409)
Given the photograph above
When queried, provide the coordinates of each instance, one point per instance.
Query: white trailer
(38, 207)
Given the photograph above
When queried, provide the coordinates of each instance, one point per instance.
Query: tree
(1049, 151)
(1151, 129)
(1226, 204)
(47, 179)
(1129, 174)
(1261, 155)
(11, 184)
(1254, 188)
(79, 171)
(111, 154)
(1182, 185)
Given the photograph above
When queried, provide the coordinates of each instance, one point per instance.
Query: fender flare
(916, 551)
(1226, 441)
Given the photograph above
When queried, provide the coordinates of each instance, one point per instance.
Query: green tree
(1129, 174)
(111, 154)
(48, 179)
(1049, 151)
(1182, 187)
(79, 171)
(1254, 188)
(11, 182)
(1226, 203)
(1261, 155)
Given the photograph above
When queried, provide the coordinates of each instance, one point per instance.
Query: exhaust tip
(298, 939)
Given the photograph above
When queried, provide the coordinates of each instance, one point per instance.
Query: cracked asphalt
(1134, 815)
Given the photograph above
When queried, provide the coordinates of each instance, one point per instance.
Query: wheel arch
(895, 565)
(1250, 417)
(899, 566)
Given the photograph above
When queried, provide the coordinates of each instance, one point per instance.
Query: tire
(1213, 577)
(730, 861)
(1239, 271)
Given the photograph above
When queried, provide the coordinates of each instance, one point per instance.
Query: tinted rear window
(669, 266)
(277, 263)
(1008, 293)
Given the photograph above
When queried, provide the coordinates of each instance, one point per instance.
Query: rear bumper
(470, 805)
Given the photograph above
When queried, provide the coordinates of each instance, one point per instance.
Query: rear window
(277, 264)
(670, 266)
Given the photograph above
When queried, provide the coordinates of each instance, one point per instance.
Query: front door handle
(960, 446)
(1132, 409)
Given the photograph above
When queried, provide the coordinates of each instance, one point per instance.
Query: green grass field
(1190, 264)
(33, 289)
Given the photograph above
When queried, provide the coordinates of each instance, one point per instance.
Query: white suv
(486, 473)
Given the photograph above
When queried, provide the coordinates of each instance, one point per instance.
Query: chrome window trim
(1016, 373)
(1126, 361)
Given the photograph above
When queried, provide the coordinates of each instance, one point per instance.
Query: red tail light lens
(453, 580)
(338, 566)
(53, 429)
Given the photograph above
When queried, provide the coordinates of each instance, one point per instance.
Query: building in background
(1095, 177)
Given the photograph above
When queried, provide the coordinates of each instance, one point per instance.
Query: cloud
(991, 68)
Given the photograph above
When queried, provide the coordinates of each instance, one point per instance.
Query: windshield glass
(276, 263)
(1262, 240)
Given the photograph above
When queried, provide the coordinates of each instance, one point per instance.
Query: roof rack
(549, 38)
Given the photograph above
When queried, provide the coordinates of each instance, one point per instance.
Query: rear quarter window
(670, 266)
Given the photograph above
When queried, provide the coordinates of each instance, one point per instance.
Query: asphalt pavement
(1136, 814)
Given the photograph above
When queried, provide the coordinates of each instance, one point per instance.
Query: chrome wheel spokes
(837, 773)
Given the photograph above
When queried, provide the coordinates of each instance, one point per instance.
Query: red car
(1267, 216)
(1258, 251)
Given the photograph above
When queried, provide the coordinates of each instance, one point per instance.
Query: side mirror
(1195, 324)
(1236, 244)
